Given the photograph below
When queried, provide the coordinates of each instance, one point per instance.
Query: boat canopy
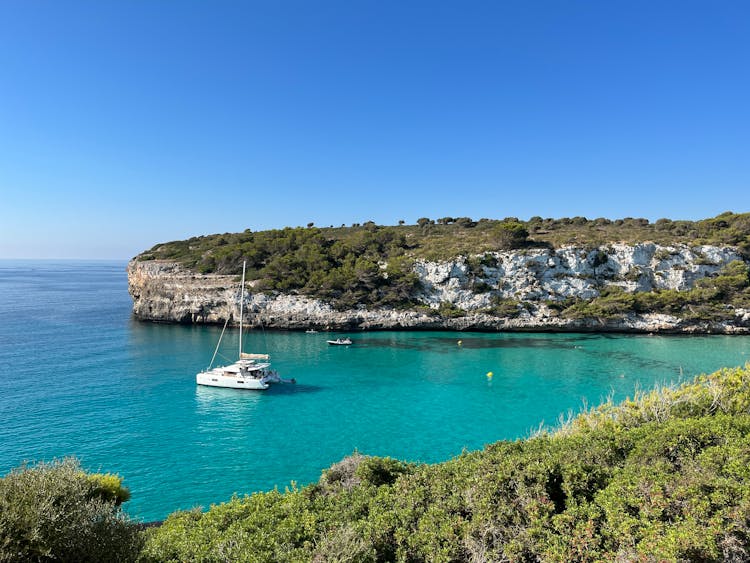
(245, 356)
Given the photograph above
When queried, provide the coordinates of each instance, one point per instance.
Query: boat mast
(242, 302)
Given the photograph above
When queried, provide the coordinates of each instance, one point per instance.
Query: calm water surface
(78, 376)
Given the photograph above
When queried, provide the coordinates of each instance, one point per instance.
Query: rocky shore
(164, 291)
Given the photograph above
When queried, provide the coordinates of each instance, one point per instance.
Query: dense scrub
(56, 512)
(445, 238)
(662, 477)
(372, 265)
(344, 270)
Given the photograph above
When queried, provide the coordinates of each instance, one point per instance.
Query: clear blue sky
(124, 124)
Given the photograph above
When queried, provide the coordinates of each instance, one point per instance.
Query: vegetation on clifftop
(444, 238)
(372, 265)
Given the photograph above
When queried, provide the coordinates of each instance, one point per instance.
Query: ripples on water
(79, 377)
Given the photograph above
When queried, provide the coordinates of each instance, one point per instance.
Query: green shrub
(108, 487)
(510, 234)
(379, 471)
(448, 310)
(344, 545)
(613, 302)
(342, 474)
(504, 308)
(56, 512)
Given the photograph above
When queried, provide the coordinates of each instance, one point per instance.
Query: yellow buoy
(489, 375)
(460, 342)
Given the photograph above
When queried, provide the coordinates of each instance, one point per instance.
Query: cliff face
(164, 291)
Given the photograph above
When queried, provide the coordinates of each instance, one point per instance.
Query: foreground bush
(662, 477)
(56, 512)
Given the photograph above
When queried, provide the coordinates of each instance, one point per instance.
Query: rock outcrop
(166, 292)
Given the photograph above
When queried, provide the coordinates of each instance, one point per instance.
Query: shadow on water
(485, 342)
(293, 389)
(630, 358)
(526, 342)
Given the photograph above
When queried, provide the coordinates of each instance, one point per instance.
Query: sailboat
(250, 371)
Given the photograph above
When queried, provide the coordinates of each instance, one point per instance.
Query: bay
(79, 376)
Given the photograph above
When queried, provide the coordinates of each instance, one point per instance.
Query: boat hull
(231, 382)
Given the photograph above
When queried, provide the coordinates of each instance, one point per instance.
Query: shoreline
(591, 327)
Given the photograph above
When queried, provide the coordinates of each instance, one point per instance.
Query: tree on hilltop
(510, 235)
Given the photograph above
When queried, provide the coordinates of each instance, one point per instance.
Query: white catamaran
(250, 371)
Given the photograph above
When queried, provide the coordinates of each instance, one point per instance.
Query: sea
(79, 376)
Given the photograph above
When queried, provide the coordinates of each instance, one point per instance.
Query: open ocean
(79, 376)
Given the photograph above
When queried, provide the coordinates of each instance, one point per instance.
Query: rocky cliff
(532, 280)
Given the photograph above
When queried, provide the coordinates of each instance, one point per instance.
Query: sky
(124, 124)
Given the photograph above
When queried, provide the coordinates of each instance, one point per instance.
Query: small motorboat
(340, 342)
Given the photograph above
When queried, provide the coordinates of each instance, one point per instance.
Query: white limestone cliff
(164, 291)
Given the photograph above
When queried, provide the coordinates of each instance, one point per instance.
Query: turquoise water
(79, 377)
